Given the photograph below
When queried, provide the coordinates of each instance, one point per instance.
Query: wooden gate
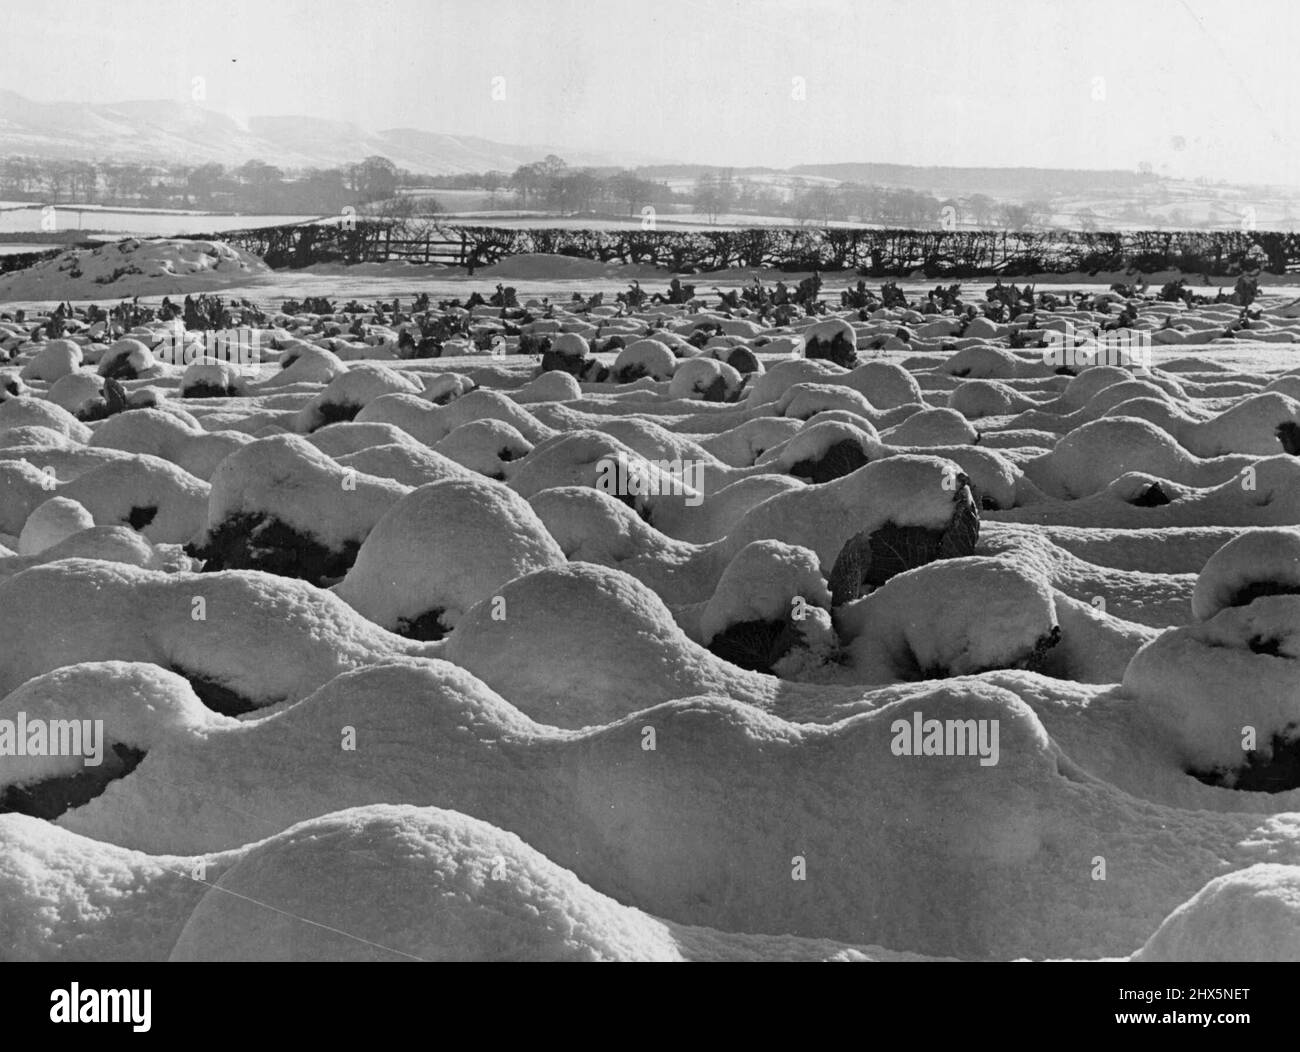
(435, 248)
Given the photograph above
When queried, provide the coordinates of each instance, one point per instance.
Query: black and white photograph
(756, 481)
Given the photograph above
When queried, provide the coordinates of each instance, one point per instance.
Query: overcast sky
(1192, 87)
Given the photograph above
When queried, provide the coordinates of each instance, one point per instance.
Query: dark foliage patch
(427, 627)
(208, 390)
(215, 695)
(839, 460)
(140, 517)
(1288, 433)
(1037, 660)
(839, 350)
(336, 413)
(743, 360)
(529, 343)
(755, 645)
(262, 542)
(1278, 774)
(869, 559)
(1153, 496)
(630, 373)
(1258, 590)
(565, 363)
(1270, 645)
(716, 391)
(113, 401)
(92, 411)
(1041, 655)
(594, 373)
(428, 347)
(120, 368)
(51, 797)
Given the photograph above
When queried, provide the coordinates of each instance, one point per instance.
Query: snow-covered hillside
(168, 130)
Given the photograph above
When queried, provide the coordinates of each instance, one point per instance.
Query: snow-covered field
(577, 629)
(18, 217)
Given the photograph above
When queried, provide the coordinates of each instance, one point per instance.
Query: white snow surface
(570, 764)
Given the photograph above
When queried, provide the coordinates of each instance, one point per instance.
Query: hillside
(154, 131)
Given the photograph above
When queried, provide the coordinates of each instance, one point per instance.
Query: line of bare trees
(718, 193)
(550, 184)
(252, 187)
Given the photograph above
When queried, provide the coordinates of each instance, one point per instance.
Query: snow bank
(135, 268)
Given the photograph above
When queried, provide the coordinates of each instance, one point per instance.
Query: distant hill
(156, 131)
(1002, 183)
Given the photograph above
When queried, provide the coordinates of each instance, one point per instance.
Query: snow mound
(35, 412)
(979, 398)
(55, 520)
(784, 374)
(485, 446)
(130, 359)
(1190, 682)
(554, 385)
(210, 378)
(284, 479)
(56, 359)
(405, 462)
(1256, 563)
(117, 544)
(254, 638)
(135, 268)
(609, 643)
(81, 394)
(467, 890)
(642, 358)
(760, 584)
(951, 618)
(170, 434)
(1250, 915)
(886, 385)
(931, 427)
(802, 401)
(164, 502)
(705, 378)
(349, 392)
(386, 883)
(441, 549)
(771, 611)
